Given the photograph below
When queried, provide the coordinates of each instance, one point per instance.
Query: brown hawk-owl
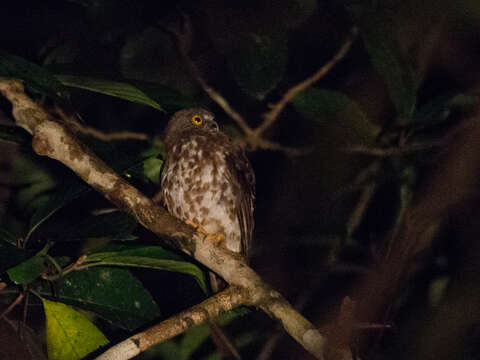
(207, 180)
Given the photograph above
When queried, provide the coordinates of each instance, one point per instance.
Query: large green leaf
(152, 257)
(110, 292)
(170, 99)
(120, 89)
(27, 271)
(379, 38)
(333, 107)
(34, 76)
(257, 61)
(70, 334)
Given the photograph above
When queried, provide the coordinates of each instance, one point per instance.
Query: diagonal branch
(177, 324)
(271, 116)
(182, 38)
(253, 136)
(54, 140)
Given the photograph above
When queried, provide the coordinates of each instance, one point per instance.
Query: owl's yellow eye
(197, 120)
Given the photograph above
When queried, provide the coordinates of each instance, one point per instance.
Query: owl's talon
(191, 223)
(218, 239)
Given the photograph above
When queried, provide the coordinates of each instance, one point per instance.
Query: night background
(367, 199)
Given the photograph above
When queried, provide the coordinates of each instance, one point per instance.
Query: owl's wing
(241, 175)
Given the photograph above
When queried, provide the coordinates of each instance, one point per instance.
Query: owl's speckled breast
(195, 187)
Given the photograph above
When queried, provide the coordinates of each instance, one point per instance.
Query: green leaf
(257, 61)
(27, 271)
(14, 134)
(70, 334)
(34, 180)
(439, 108)
(66, 193)
(8, 237)
(389, 62)
(117, 225)
(34, 76)
(120, 89)
(327, 106)
(112, 293)
(152, 257)
(11, 255)
(152, 168)
(170, 99)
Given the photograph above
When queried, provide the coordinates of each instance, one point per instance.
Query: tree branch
(54, 140)
(253, 136)
(272, 115)
(177, 324)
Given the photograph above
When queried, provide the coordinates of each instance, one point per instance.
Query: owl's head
(195, 120)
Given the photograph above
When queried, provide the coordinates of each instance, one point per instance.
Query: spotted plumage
(207, 179)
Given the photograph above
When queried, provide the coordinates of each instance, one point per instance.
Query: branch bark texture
(55, 140)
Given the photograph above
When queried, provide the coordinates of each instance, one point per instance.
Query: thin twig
(269, 346)
(23, 324)
(12, 305)
(77, 265)
(87, 130)
(55, 141)
(175, 325)
(361, 207)
(181, 37)
(272, 115)
(252, 136)
(393, 151)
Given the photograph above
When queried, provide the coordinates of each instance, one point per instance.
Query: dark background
(412, 262)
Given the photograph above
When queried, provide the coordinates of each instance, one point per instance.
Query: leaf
(8, 237)
(116, 225)
(170, 99)
(297, 12)
(439, 108)
(27, 271)
(34, 76)
(70, 334)
(388, 61)
(152, 257)
(66, 193)
(112, 293)
(11, 255)
(34, 179)
(335, 107)
(152, 168)
(257, 61)
(14, 134)
(120, 89)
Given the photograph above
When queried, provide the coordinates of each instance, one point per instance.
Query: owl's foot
(218, 239)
